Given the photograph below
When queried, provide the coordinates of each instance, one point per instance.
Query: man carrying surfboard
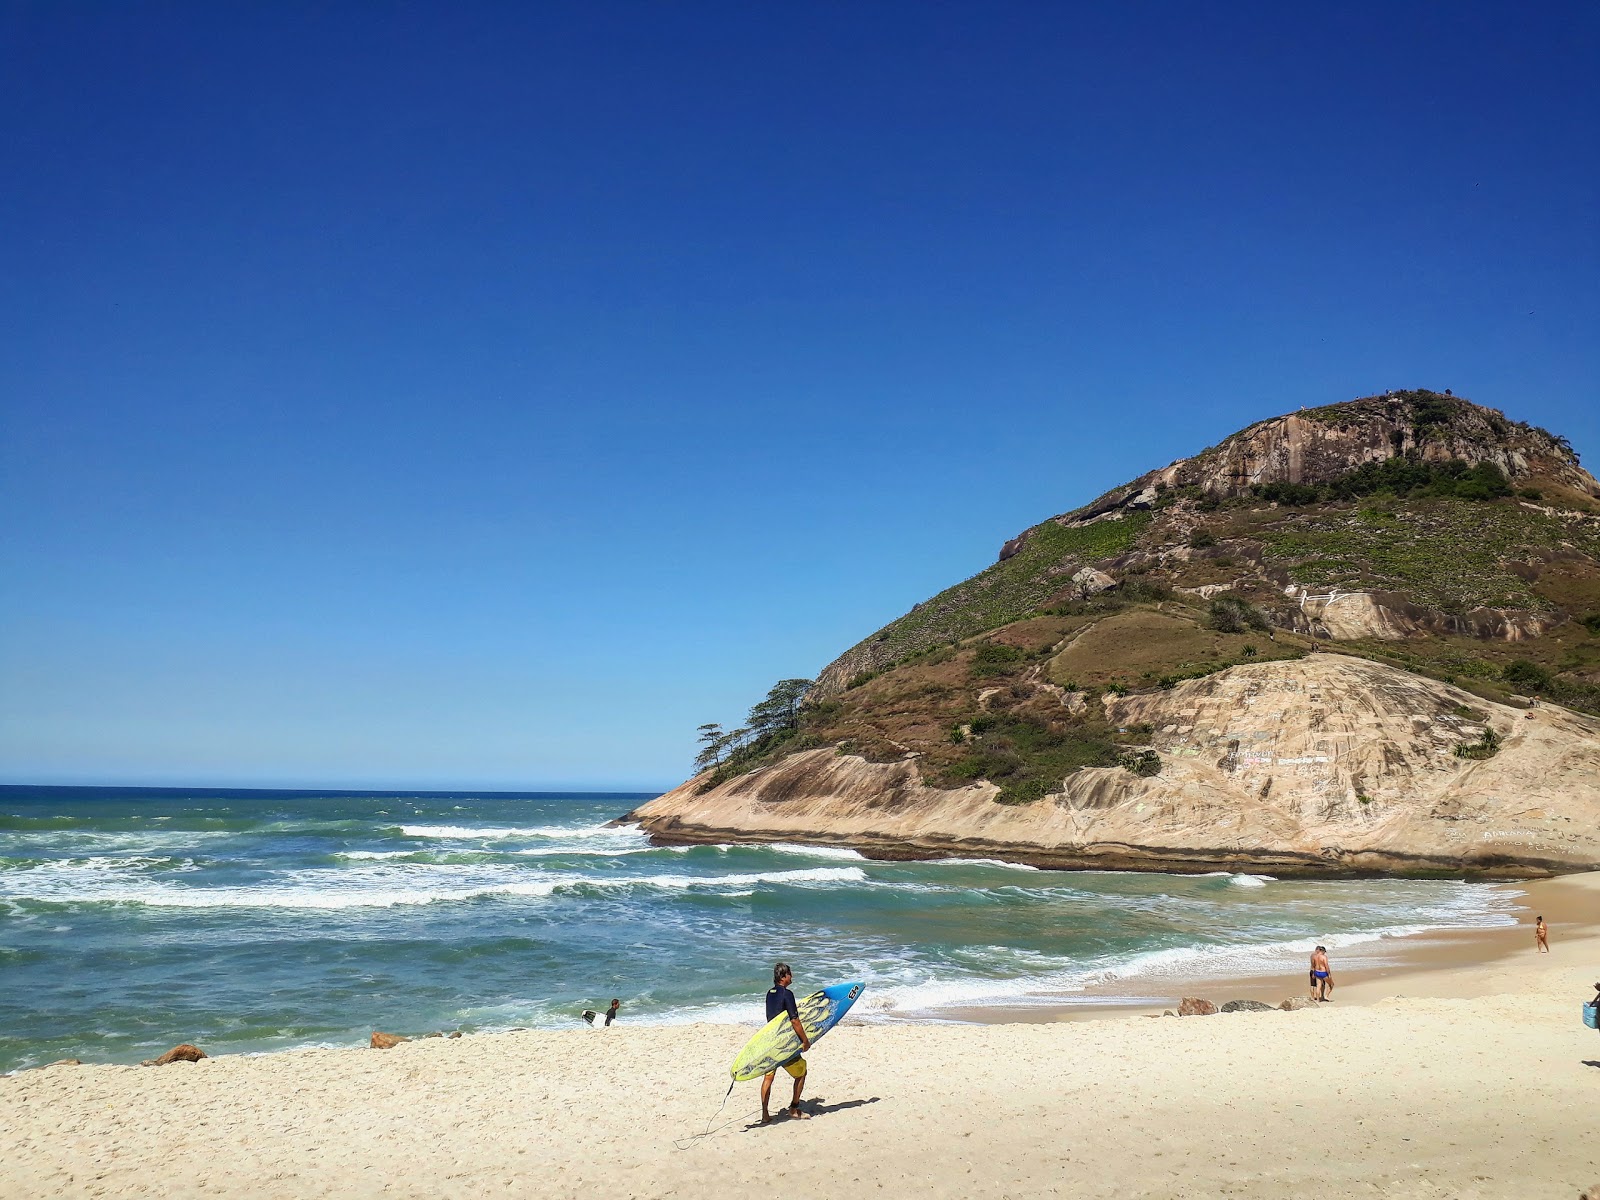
(781, 1000)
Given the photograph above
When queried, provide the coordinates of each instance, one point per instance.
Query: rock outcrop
(183, 1052)
(1322, 444)
(385, 1041)
(1328, 765)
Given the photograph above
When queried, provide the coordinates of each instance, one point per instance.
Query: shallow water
(251, 921)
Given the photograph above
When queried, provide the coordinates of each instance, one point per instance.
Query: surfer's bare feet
(799, 1114)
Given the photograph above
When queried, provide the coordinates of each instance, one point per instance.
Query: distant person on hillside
(611, 1013)
(1541, 936)
(781, 1000)
(1321, 974)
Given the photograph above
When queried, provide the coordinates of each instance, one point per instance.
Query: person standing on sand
(1321, 974)
(1541, 936)
(781, 1000)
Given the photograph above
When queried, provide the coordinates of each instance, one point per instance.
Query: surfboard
(777, 1043)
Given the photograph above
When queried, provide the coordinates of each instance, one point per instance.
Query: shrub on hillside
(995, 658)
(1526, 674)
(1233, 614)
(1143, 763)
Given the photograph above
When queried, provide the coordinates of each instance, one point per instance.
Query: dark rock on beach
(1246, 1006)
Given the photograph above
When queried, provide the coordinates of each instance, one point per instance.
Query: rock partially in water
(386, 1041)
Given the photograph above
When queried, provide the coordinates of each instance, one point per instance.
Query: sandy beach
(1442, 1077)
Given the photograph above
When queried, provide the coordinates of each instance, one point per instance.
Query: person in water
(1321, 974)
(611, 1013)
(1541, 936)
(781, 1000)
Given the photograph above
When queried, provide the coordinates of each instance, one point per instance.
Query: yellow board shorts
(796, 1067)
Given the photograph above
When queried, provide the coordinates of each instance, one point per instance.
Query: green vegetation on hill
(1010, 588)
(1398, 476)
(1448, 554)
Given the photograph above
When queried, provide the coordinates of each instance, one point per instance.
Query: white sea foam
(813, 875)
(378, 884)
(840, 852)
(495, 833)
(983, 862)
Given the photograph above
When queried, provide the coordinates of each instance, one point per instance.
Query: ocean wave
(983, 862)
(839, 852)
(813, 875)
(382, 885)
(498, 832)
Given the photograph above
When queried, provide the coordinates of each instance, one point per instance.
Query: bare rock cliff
(1329, 765)
(1320, 445)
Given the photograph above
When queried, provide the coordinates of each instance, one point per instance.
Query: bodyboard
(777, 1044)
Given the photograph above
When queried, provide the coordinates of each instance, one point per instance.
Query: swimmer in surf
(781, 1000)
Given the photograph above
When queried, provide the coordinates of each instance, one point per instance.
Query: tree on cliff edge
(780, 711)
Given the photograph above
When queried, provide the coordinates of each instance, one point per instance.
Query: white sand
(1414, 1095)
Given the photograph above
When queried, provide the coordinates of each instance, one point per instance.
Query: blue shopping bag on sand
(1591, 1015)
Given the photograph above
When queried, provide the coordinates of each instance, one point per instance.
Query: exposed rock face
(1090, 582)
(182, 1052)
(1343, 616)
(1192, 1006)
(1329, 765)
(1246, 1006)
(1324, 444)
(385, 1041)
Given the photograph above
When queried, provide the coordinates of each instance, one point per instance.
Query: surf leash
(685, 1143)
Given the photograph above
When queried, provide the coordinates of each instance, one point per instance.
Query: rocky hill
(1312, 648)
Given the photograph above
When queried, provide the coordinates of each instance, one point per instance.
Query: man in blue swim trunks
(781, 1000)
(1321, 974)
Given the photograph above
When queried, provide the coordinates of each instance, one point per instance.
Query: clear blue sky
(485, 395)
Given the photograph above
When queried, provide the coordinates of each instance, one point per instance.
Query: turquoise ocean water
(250, 921)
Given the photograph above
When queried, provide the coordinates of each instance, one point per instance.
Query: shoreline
(1435, 962)
(1438, 1078)
(1421, 956)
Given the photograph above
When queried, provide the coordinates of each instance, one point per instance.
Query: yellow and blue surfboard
(777, 1043)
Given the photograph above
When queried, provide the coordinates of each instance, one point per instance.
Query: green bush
(1234, 614)
(1592, 623)
(995, 658)
(1527, 675)
(1143, 763)
(1485, 747)
(1201, 538)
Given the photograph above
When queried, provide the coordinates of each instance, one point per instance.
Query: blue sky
(486, 395)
